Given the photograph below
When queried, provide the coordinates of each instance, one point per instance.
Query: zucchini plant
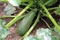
(24, 26)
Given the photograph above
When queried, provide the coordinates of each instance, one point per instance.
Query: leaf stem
(52, 8)
(49, 16)
(11, 16)
(47, 24)
(7, 16)
(32, 27)
(18, 16)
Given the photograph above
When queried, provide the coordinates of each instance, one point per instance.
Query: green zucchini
(26, 22)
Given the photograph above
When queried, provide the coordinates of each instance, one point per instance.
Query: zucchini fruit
(26, 22)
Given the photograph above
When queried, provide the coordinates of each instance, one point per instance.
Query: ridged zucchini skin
(25, 24)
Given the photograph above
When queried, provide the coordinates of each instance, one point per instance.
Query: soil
(13, 35)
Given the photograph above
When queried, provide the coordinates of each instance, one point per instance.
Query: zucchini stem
(54, 8)
(47, 24)
(11, 16)
(49, 16)
(7, 16)
(17, 17)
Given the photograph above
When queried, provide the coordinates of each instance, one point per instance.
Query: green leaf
(9, 9)
(55, 29)
(57, 12)
(44, 1)
(48, 2)
(56, 33)
(26, 0)
(3, 31)
(55, 37)
(15, 2)
(44, 34)
(31, 37)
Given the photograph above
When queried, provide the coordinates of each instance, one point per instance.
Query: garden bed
(44, 22)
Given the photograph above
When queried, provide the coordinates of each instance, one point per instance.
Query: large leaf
(46, 34)
(43, 34)
(9, 9)
(15, 2)
(44, 1)
(48, 2)
(55, 37)
(31, 37)
(3, 31)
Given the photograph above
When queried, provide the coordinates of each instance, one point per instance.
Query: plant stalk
(54, 8)
(11, 16)
(7, 16)
(18, 16)
(49, 16)
(47, 24)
